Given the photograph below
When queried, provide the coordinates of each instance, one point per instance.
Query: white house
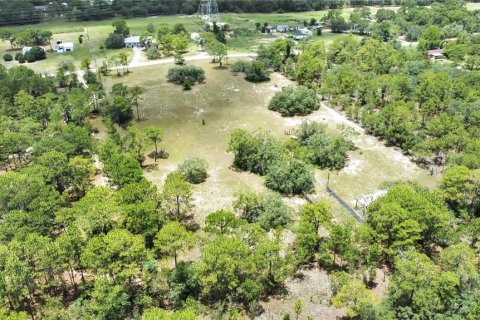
(64, 47)
(26, 49)
(132, 41)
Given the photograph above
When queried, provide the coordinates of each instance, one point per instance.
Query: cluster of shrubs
(152, 53)
(326, 151)
(288, 167)
(255, 71)
(295, 101)
(262, 154)
(35, 54)
(187, 75)
(194, 170)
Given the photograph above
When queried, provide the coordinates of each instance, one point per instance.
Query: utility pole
(91, 49)
(97, 70)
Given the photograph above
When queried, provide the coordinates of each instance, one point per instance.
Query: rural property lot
(227, 102)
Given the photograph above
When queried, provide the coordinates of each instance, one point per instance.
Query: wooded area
(27, 12)
(73, 248)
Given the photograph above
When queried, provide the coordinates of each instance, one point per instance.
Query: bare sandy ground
(139, 60)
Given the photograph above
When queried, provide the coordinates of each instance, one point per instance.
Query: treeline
(27, 12)
(27, 37)
(429, 253)
(428, 109)
(422, 107)
(451, 17)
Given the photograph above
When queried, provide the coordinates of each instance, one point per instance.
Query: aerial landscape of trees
(26, 12)
(90, 229)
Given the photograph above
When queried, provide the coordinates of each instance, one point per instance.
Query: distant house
(435, 54)
(26, 49)
(41, 8)
(283, 28)
(132, 41)
(270, 29)
(64, 47)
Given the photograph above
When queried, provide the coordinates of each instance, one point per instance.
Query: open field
(473, 5)
(227, 102)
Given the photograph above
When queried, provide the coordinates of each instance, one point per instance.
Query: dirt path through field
(137, 61)
(137, 57)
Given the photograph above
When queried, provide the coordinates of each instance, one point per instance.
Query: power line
(91, 49)
(208, 10)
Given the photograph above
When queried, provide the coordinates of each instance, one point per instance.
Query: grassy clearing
(228, 102)
(473, 6)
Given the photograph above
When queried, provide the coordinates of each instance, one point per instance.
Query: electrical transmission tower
(208, 10)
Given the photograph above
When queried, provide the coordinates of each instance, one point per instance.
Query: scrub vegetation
(124, 196)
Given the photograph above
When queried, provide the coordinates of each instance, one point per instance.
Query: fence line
(357, 215)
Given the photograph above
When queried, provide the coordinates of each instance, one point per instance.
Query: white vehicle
(299, 37)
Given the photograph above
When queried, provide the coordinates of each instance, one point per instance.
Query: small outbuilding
(132, 41)
(64, 47)
(270, 29)
(435, 54)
